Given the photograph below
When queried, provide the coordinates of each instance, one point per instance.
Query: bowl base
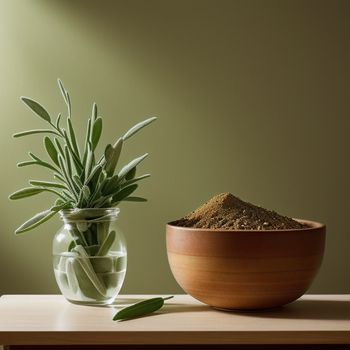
(268, 309)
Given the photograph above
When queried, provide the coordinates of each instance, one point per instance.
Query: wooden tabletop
(50, 319)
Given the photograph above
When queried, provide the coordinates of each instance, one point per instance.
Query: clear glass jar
(89, 256)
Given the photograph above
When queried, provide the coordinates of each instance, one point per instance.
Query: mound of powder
(225, 211)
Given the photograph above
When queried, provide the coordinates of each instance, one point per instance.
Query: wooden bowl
(245, 269)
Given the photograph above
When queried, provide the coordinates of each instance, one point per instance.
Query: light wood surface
(50, 319)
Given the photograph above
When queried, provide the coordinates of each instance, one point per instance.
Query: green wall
(252, 98)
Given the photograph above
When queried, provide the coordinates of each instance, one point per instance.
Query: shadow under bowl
(245, 269)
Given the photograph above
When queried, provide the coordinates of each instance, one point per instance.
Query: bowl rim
(312, 225)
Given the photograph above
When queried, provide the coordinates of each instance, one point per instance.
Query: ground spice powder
(225, 211)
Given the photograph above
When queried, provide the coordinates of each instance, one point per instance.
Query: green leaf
(72, 137)
(108, 151)
(69, 195)
(67, 177)
(77, 180)
(107, 244)
(92, 250)
(63, 90)
(86, 192)
(58, 207)
(95, 173)
(94, 113)
(100, 183)
(135, 179)
(131, 174)
(112, 154)
(58, 120)
(31, 191)
(71, 275)
(59, 177)
(142, 308)
(138, 127)
(96, 132)
(26, 192)
(80, 201)
(131, 165)
(26, 163)
(59, 201)
(37, 220)
(68, 161)
(65, 96)
(37, 108)
(102, 232)
(89, 160)
(34, 162)
(36, 131)
(69, 105)
(125, 192)
(86, 286)
(72, 244)
(59, 147)
(87, 267)
(51, 149)
(47, 184)
(32, 155)
(81, 197)
(73, 155)
(87, 138)
(111, 185)
(134, 199)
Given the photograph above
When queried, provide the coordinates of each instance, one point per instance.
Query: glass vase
(89, 256)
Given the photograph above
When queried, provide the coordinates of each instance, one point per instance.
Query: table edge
(168, 338)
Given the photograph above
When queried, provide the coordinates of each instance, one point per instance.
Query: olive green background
(252, 98)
